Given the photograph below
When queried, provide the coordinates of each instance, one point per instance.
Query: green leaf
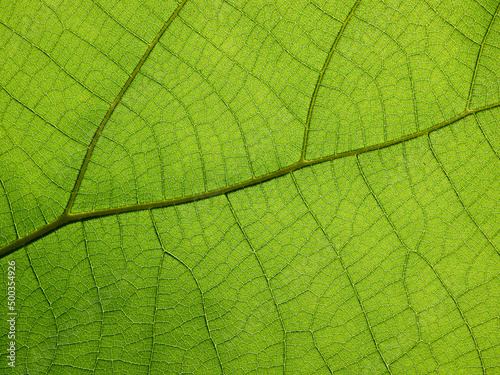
(299, 187)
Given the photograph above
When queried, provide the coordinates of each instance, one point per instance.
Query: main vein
(67, 217)
(112, 107)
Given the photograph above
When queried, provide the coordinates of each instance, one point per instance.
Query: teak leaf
(233, 187)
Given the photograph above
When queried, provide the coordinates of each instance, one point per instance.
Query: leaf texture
(251, 187)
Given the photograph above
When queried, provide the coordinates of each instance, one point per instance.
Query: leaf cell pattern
(229, 187)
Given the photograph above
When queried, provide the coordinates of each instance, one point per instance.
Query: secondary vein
(320, 78)
(476, 66)
(112, 107)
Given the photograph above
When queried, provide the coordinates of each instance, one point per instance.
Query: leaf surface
(251, 187)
